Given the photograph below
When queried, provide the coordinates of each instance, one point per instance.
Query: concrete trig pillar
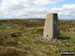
(51, 28)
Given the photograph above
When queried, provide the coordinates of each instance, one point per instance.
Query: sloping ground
(20, 41)
(32, 47)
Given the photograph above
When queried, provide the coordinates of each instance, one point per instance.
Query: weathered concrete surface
(51, 29)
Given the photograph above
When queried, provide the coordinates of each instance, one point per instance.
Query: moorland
(17, 38)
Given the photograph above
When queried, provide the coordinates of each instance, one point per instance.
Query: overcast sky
(36, 8)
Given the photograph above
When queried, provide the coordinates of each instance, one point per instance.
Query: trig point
(51, 28)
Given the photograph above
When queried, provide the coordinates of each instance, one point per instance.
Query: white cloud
(28, 2)
(66, 12)
(33, 8)
(69, 6)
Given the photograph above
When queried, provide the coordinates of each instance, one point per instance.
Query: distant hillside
(33, 19)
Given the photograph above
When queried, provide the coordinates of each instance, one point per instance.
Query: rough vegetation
(19, 39)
